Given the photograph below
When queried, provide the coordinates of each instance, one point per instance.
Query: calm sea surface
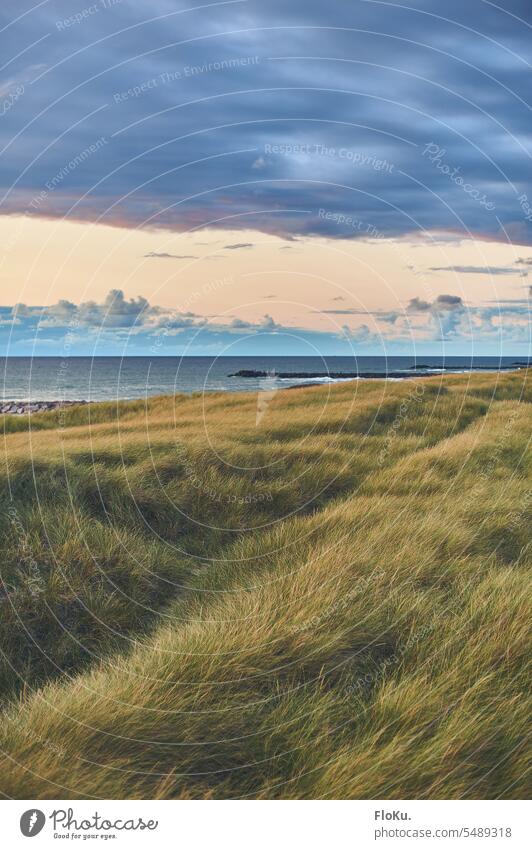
(107, 378)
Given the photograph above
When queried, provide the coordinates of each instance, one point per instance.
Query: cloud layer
(352, 120)
(119, 325)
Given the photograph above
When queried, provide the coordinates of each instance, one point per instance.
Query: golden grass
(332, 604)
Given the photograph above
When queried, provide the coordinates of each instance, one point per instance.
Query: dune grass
(331, 603)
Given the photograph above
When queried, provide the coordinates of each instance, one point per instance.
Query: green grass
(330, 604)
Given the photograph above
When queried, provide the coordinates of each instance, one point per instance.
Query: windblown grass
(330, 604)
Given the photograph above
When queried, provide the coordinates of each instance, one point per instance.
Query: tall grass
(331, 604)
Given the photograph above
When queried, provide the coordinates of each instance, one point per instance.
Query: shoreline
(399, 374)
(26, 407)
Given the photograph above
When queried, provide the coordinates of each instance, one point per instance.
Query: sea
(111, 378)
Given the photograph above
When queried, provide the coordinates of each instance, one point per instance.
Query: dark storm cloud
(254, 115)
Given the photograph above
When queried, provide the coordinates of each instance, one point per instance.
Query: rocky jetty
(331, 375)
(21, 408)
(420, 370)
(293, 374)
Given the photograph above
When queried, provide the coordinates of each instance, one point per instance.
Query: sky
(265, 178)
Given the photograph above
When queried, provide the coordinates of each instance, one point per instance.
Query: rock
(20, 408)
(246, 372)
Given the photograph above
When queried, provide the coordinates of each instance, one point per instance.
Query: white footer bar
(267, 825)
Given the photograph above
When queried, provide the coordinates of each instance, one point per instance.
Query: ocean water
(109, 378)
